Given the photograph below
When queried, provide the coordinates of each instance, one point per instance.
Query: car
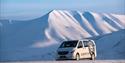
(77, 49)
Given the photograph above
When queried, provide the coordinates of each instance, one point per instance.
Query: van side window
(85, 43)
(80, 44)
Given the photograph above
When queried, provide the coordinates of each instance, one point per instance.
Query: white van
(77, 49)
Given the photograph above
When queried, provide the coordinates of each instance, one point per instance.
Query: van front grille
(63, 52)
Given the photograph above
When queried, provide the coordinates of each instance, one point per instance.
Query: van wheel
(92, 56)
(77, 57)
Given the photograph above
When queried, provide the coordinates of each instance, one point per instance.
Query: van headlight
(72, 51)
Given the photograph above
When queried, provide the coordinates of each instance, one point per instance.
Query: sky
(30, 9)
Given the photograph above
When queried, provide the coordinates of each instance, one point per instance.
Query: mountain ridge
(59, 25)
(48, 31)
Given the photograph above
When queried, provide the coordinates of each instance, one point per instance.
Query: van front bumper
(67, 56)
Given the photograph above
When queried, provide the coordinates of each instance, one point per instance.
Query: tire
(77, 57)
(92, 56)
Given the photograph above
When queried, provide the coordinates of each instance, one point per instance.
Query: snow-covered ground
(39, 38)
(81, 61)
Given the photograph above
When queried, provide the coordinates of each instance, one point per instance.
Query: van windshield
(69, 44)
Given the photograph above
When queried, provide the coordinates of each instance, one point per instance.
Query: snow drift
(19, 39)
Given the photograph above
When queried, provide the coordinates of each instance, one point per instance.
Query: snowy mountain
(33, 39)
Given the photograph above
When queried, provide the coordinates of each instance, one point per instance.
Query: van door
(80, 49)
(86, 50)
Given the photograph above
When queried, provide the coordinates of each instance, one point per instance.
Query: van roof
(80, 40)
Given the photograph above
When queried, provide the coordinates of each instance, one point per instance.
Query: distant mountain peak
(60, 25)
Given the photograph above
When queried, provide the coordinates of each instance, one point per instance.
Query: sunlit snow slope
(77, 25)
(56, 26)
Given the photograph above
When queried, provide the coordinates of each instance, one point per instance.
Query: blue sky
(30, 9)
